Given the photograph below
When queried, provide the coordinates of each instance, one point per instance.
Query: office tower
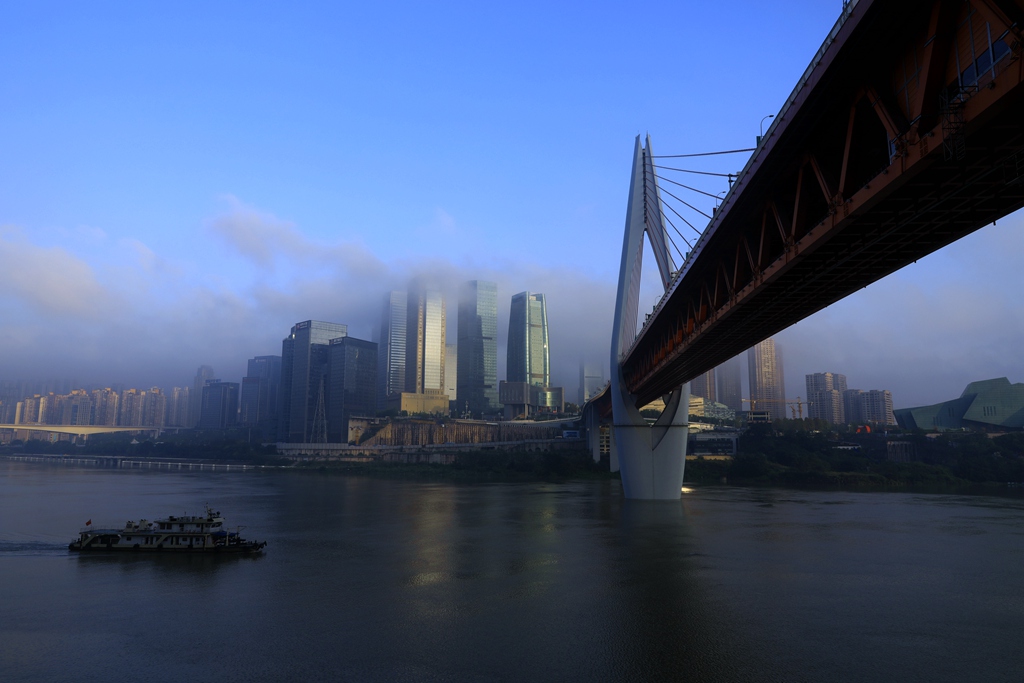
(591, 381)
(729, 389)
(528, 358)
(477, 376)
(303, 390)
(451, 371)
(767, 382)
(825, 397)
(704, 387)
(219, 405)
(391, 349)
(259, 393)
(424, 339)
(204, 373)
(352, 386)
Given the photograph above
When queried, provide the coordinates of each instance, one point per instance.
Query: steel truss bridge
(904, 134)
(889, 148)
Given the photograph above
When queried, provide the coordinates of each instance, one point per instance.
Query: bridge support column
(651, 458)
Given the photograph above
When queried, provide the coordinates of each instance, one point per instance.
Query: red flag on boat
(88, 523)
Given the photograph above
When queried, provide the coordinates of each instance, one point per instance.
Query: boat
(186, 534)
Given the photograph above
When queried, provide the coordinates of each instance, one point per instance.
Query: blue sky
(180, 184)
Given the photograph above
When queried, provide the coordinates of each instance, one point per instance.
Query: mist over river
(367, 579)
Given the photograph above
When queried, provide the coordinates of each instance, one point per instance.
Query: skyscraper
(528, 356)
(477, 375)
(391, 349)
(767, 381)
(704, 387)
(352, 387)
(825, 397)
(259, 393)
(304, 358)
(219, 405)
(424, 339)
(451, 371)
(729, 389)
(204, 373)
(876, 406)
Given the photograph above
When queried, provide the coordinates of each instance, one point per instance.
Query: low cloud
(922, 333)
(49, 280)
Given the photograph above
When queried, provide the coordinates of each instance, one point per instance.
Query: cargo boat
(186, 534)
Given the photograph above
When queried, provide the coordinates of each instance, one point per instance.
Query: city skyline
(184, 239)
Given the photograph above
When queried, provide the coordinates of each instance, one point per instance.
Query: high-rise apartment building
(477, 374)
(352, 388)
(528, 355)
(203, 374)
(391, 348)
(304, 381)
(154, 407)
(729, 385)
(177, 407)
(825, 397)
(876, 407)
(704, 387)
(424, 339)
(767, 380)
(852, 413)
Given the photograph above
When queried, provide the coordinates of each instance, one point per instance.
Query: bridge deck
(863, 173)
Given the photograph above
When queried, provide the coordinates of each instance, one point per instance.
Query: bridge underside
(865, 173)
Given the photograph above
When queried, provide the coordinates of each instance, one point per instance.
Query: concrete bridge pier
(651, 458)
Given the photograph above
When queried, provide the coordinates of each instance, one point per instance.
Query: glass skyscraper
(767, 381)
(204, 373)
(352, 384)
(528, 358)
(729, 387)
(259, 393)
(391, 352)
(424, 339)
(304, 381)
(477, 376)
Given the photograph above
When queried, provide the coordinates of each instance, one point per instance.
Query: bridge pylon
(651, 458)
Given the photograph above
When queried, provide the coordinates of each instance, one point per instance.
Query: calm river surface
(383, 580)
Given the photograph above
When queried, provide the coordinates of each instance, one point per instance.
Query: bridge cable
(702, 154)
(683, 218)
(686, 170)
(692, 189)
(681, 236)
(687, 204)
(682, 256)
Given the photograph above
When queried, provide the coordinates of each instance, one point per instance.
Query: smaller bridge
(78, 430)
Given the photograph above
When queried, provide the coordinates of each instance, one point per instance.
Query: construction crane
(797, 406)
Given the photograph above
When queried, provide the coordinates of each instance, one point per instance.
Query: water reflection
(368, 579)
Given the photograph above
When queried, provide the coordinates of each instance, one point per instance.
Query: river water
(367, 579)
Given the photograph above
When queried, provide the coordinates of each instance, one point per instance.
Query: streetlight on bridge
(770, 116)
